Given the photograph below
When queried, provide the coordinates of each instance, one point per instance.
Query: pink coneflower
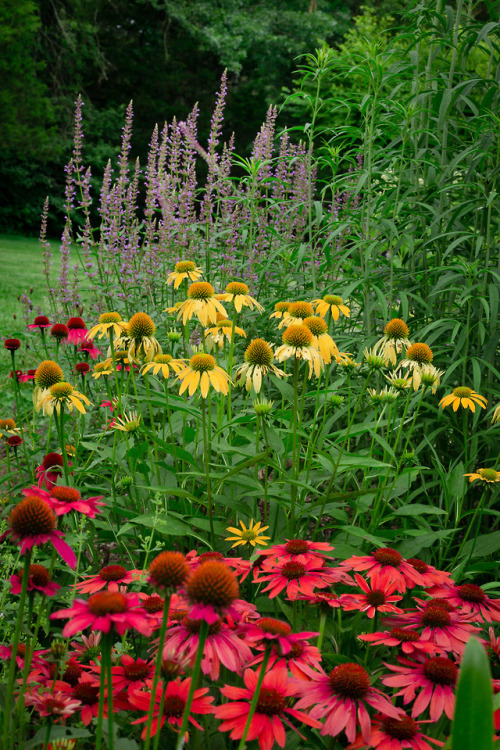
(431, 575)
(87, 347)
(434, 680)
(377, 596)
(298, 548)
(29, 375)
(271, 712)
(32, 522)
(59, 331)
(341, 699)
(103, 611)
(211, 591)
(173, 707)
(39, 580)
(153, 605)
(223, 646)
(110, 577)
(77, 331)
(63, 500)
(471, 599)
(241, 567)
(395, 734)
(130, 675)
(300, 655)
(269, 631)
(89, 649)
(57, 705)
(410, 640)
(50, 470)
(40, 322)
(6, 653)
(388, 562)
(449, 630)
(325, 600)
(87, 692)
(295, 576)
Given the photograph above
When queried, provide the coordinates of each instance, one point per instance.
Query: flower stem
(194, 679)
(255, 697)
(160, 712)
(206, 452)
(159, 658)
(295, 471)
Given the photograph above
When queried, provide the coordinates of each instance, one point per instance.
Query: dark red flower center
(112, 573)
(139, 670)
(401, 729)
(12, 344)
(435, 617)
(107, 603)
(153, 604)
(170, 669)
(388, 556)
(349, 680)
(59, 331)
(212, 583)
(296, 547)
(296, 651)
(442, 603)
(65, 494)
(441, 671)
(469, 592)
(173, 706)
(178, 614)
(72, 672)
(375, 598)
(405, 635)
(194, 626)
(41, 320)
(270, 702)
(31, 517)
(39, 575)
(419, 565)
(75, 323)
(270, 626)
(82, 367)
(87, 694)
(210, 556)
(14, 441)
(52, 461)
(293, 570)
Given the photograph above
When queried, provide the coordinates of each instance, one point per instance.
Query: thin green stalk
(194, 680)
(255, 697)
(156, 677)
(207, 451)
(160, 712)
(295, 471)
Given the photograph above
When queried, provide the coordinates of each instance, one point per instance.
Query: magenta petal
(64, 550)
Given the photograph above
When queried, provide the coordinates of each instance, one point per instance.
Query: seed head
(76, 324)
(396, 329)
(110, 317)
(316, 325)
(259, 352)
(183, 266)
(31, 517)
(202, 362)
(201, 290)
(214, 584)
(300, 309)
(420, 353)
(297, 336)
(59, 331)
(12, 344)
(237, 287)
(141, 326)
(48, 373)
(169, 570)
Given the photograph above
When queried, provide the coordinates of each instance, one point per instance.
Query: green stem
(255, 697)
(322, 624)
(206, 451)
(194, 679)
(159, 659)
(160, 712)
(295, 472)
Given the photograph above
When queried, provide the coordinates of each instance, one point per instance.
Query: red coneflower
(110, 577)
(168, 571)
(341, 699)
(296, 576)
(130, 675)
(395, 734)
(59, 331)
(50, 470)
(410, 640)
(32, 522)
(63, 500)
(82, 368)
(298, 548)
(57, 705)
(39, 580)
(77, 330)
(377, 596)
(388, 562)
(447, 629)
(87, 692)
(153, 604)
(431, 575)
(103, 611)
(434, 680)
(173, 707)
(300, 655)
(211, 590)
(88, 348)
(6, 653)
(17, 374)
(12, 345)
(40, 322)
(14, 441)
(471, 599)
(29, 375)
(272, 709)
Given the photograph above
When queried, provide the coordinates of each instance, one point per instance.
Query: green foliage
(473, 724)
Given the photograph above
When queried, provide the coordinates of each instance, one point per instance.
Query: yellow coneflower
(322, 341)
(398, 381)
(298, 343)
(430, 377)
(280, 308)
(258, 357)
(465, 397)
(201, 302)
(184, 269)
(175, 308)
(162, 363)
(394, 339)
(103, 368)
(496, 415)
(128, 423)
(47, 373)
(237, 293)
(296, 314)
(417, 355)
(332, 303)
(375, 358)
(60, 395)
(252, 535)
(203, 372)
(8, 426)
(386, 396)
(223, 329)
(262, 406)
(108, 322)
(348, 364)
(140, 331)
(485, 475)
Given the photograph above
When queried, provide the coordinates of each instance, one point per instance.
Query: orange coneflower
(259, 357)
(333, 303)
(202, 371)
(201, 302)
(237, 293)
(184, 269)
(298, 342)
(465, 397)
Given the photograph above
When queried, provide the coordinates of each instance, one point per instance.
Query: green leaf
(417, 509)
(473, 720)
(486, 544)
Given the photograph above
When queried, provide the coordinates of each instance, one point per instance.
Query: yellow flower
(142, 343)
(322, 341)
(298, 342)
(252, 535)
(333, 303)
(296, 314)
(108, 322)
(62, 394)
(175, 308)
(237, 293)
(162, 363)
(259, 357)
(375, 359)
(398, 381)
(185, 269)
(430, 377)
(223, 329)
(128, 423)
(103, 368)
(202, 371)
(465, 397)
(417, 355)
(201, 302)
(496, 415)
(486, 475)
(395, 337)
(347, 363)
(280, 308)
